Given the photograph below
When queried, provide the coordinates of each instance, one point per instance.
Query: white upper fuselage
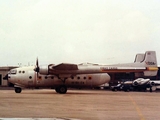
(27, 77)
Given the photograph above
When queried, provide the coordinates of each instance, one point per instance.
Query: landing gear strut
(150, 89)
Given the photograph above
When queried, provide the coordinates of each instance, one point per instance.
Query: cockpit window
(14, 71)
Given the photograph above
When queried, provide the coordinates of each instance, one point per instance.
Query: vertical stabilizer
(150, 59)
(150, 62)
(139, 57)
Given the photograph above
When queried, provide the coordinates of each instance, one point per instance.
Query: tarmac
(79, 105)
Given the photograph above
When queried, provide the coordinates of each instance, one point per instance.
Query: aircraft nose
(10, 79)
(7, 77)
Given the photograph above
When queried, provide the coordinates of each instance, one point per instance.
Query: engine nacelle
(135, 83)
(43, 69)
(140, 81)
(152, 83)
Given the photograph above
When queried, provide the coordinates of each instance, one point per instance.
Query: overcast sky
(77, 31)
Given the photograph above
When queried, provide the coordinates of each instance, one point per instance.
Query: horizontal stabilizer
(150, 73)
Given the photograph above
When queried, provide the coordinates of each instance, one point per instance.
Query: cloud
(132, 27)
(76, 31)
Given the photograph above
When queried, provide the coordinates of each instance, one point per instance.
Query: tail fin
(139, 57)
(150, 61)
(147, 61)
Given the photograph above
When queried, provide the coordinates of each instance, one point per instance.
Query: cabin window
(72, 77)
(78, 77)
(89, 77)
(84, 78)
(30, 77)
(23, 71)
(52, 77)
(39, 77)
(19, 71)
(46, 77)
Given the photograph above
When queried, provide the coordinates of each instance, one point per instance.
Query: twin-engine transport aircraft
(66, 75)
(142, 84)
(26, 77)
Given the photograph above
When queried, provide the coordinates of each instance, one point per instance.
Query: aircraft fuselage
(28, 78)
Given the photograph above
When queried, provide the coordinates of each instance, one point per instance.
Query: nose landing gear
(18, 89)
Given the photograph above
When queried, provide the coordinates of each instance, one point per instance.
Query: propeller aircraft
(65, 75)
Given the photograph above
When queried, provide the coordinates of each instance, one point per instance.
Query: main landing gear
(61, 89)
(18, 89)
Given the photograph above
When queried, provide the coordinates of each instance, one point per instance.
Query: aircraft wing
(63, 70)
(73, 69)
(155, 82)
(65, 66)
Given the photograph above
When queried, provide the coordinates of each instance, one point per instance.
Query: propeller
(37, 67)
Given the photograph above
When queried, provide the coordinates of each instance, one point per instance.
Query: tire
(62, 89)
(18, 90)
(126, 90)
(57, 89)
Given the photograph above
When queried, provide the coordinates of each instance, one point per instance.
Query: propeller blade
(37, 62)
(37, 67)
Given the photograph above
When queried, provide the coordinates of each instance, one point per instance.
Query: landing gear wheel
(18, 90)
(57, 89)
(61, 89)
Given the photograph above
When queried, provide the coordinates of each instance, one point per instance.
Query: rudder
(150, 62)
(150, 59)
